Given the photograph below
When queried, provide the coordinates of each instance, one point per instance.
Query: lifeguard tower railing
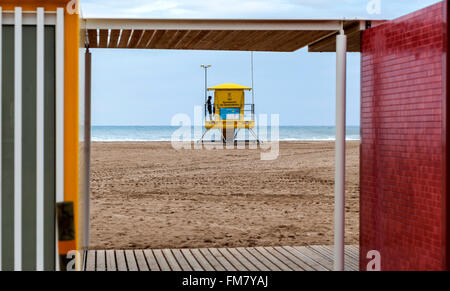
(249, 112)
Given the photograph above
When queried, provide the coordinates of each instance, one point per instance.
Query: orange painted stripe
(71, 142)
(31, 5)
(65, 247)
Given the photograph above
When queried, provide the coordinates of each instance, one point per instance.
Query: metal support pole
(253, 88)
(87, 144)
(339, 202)
(253, 81)
(206, 84)
(206, 67)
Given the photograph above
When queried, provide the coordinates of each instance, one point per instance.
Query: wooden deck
(306, 258)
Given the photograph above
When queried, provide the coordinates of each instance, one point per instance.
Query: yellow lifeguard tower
(230, 112)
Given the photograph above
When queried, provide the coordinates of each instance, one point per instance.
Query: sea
(169, 133)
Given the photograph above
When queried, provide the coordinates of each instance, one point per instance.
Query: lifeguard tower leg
(254, 134)
(228, 134)
(203, 136)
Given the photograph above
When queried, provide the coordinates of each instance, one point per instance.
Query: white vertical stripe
(339, 180)
(59, 110)
(60, 105)
(40, 140)
(1, 135)
(18, 139)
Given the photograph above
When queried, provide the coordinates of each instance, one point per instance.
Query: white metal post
(87, 144)
(18, 139)
(59, 107)
(40, 169)
(339, 202)
(1, 134)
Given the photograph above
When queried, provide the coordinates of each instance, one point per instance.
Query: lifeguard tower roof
(230, 86)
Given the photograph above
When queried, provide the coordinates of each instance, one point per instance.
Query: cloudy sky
(149, 87)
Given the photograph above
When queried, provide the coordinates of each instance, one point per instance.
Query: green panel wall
(7, 148)
(29, 148)
(50, 150)
(29, 252)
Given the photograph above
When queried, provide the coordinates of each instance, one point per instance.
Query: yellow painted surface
(31, 5)
(229, 86)
(224, 124)
(71, 92)
(229, 96)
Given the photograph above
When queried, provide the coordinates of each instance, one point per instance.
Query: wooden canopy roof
(220, 34)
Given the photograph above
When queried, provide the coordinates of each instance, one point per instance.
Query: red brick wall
(403, 73)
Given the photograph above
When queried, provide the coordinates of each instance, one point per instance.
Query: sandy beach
(148, 195)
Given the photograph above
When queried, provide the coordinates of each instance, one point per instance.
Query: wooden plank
(279, 263)
(313, 264)
(183, 43)
(195, 40)
(253, 260)
(205, 41)
(322, 252)
(124, 38)
(202, 260)
(328, 254)
(302, 40)
(90, 261)
(121, 261)
(101, 261)
(256, 42)
(92, 37)
(141, 262)
(227, 38)
(286, 258)
(240, 258)
(315, 257)
(353, 250)
(239, 43)
(212, 260)
(161, 260)
(283, 43)
(304, 265)
(145, 38)
(151, 261)
(351, 262)
(192, 260)
(263, 259)
(155, 39)
(354, 247)
(273, 39)
(349, 252)
(165, 39)
(135, 38)
(111, 260)
(177, 38)
(114, 38)
(181, 260)
(291, 264)
(236, 263)
(103, 38)
(171, 260)
(131, 261)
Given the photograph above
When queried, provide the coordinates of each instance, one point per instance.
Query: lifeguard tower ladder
(230, 113)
